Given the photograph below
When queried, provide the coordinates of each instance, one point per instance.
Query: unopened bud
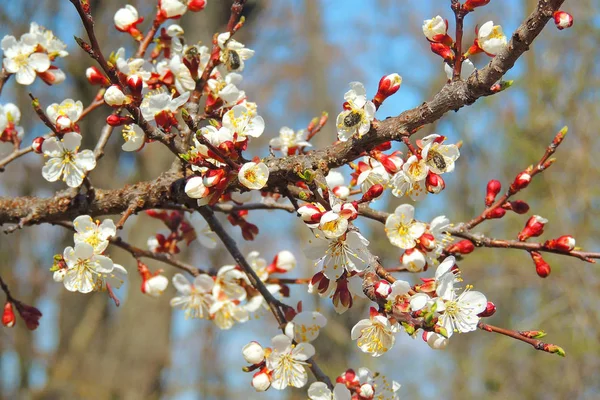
(253, 353)
(374, 192)
(533, 334)
(443, 51)
(563, 19)
(413, 260)
(196, 5)
(115, 97)
(261, 381)
(382, 289)
(554, 349)
(560, 136)
(490, 309)
(518, 206)
(471, 4)
(493, 188)
(542, 268)
(496, 213)
(521, 181)
(213, 177)
(8, 316)
(117, 120)
(341, 192)
(427, 240)
(36, 144)
(563, 243)
(463, 247)
(136, 84)
(533, 228)
(388, 85)
(95, 77)
(434, 183)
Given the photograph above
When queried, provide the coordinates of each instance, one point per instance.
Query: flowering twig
(523, 336)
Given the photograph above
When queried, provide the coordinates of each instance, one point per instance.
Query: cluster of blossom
(32, 55)
(85, 268)
(364, 385)
(229, 298)
(11, 133)
(435, 305)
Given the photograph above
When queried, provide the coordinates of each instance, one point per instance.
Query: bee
(233, 60)
(352, 119)
(437, 159)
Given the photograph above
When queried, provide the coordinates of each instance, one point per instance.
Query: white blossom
(65, 114)
(356, 119)
(320, 391)
(155, 285)
(243, 122)
(459, 313)
(375, 335)
(93, 232)
(21, 59)
(491, 39)
(341, 254)
(134, 136)
(435, 29)
(306, 325)
(226, 313)
(439, 157)
(287, 362)
(288, 140)
(254, 175)
(196, 297)
(233, 53)
(401, 228)
(65, 159)
(85, 269)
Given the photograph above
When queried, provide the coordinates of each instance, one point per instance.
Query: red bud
(563, 19)
(374, 192)
(443, 51)
(196, 5)
(493, 188)
(36, 145)
(434, 183)
(533, 228)
(521, 181)
(563, 243)
(518, 206)
(463, 247)
(8, 317)
(541, 267)
(471, 4)
(95, 77)
(496, 213)
(490, 309)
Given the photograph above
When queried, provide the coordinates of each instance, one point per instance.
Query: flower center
(372, 339)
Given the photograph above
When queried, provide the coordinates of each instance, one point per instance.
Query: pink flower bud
(443, 51)
(533, 228)
(136, 84)
(427, 240)
(52, 76)
(196, 5)
(563, 243)
(463, 247)
(95, 77)
(521, 181)
(8, 316)
(563, 19)
(117, 120)
(434, 183)
(283, 262)
(471, 4)
(388, 85)
(541, 267)
(490, 309)
(518, 206)
(493, 188)
(496, 213)
(36, 145)
(261, 381)
(115, 97)
(374, 192)
(382, 289)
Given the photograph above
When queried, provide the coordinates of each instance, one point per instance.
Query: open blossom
(357, 115)
(219, 138)
(374, 174)
(375, 335)
(134, 137)
(288, 140)
(65, 114)
(459, 313)
(376, 386)
(93, 232)
(320, 391)
(411, 179)
(439, 157)
(435, 29)
(254, 175)
(401, 228)
(66, 160)
(227, 312)
(85, 269)
(287, 362)
(347, 253)
(227, 283)
(335, 222)
(161, 107)
(21, 59)
(243, 122)
(306, 325)
(194, 298)
(225, 88)
(233, 53)
(183, 77)
(491, 39)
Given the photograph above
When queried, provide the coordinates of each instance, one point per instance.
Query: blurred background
(306, 54)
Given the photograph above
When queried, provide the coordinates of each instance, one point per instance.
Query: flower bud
(341, 192)
(434, 183)
(213, 177)
(196, 5)
(136, 84)
(253, 353)
(319, 283)
(52, 76)
(413, 260)
(471, 4)
(126, 19)
(436, 29)
(175, 30)
(563, 243)
(493, 188)
(366, 391)
(463, 247)
(443, 51)
(261, 381)
(8, 316)
(435, 341)
(496, 213)
(155, 286)
(115, 97)
(382, 289)
(283, 262)
(117, 120)
(388, 85)
(521, 181)
(310, 214)
(542, 268)
(373, 193)
(195, 188)
(518, 206)
(427, 240)
(391, 163)
(533, 228)
(490, 309)
(563, 19)
(36, 144)
(95, 77)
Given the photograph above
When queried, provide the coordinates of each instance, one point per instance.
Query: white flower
(435, 341)
(289, 140)
(45, 40)
(401, 228)
(320, 391)
(93, 233)
(115, 97)
(134, 137)
(20, 59)
(204, 234)
(335, 256)
(155, 285)
(411, 180)
(356, 119)
(227, 312)
(438, 227)
(254, 175)
(214, 136)
(466, 70)
(459, 314)
(435, 29)
(491, 39)
(65, 159)
(227, 284)
(160, 106)
(375, 335)
(10, 116)
(287, 362)
(413, 260)
(243, 122)
(233, 53)
(253, 353)
(373, 175)
(126, 17)
(183, 77)
(195, 298)
(133, 66)
(439, 157)
(380, 386)
(226, 88)
(65, 114)
(306, 325)
(445, 278)
(173, 8)
(85, 270)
